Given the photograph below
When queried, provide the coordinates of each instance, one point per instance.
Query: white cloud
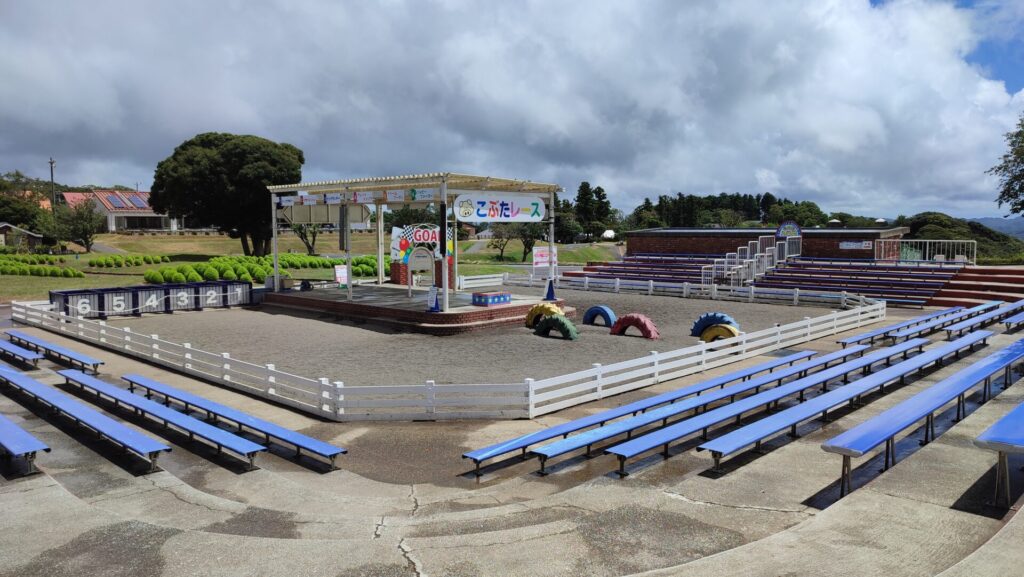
(862, 109)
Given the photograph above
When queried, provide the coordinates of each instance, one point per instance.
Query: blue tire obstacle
(707, 319)
(599, 311)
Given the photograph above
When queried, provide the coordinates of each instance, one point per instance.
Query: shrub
(176, 277)
(54, 271)
(211, 273)
(245, 277)
(193, 276)
(229, 274)
(68, 272)
(153, 276)
(165, 258)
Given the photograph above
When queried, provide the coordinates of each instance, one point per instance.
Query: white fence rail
(914, 251)
(480, 280)
(430, 401)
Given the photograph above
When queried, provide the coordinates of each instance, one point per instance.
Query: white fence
(430, 401)
(751, 261)
(900, 250)
(480, 280)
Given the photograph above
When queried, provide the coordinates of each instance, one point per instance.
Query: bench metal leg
(792, 432)
(718, 462)
(929, 429)
(543, 461)
(622, 467)
(152, 461)
(477, 471)
(252, 461)
(961, 408)
(1003, 479)
(890, 454)
(844, 477)
(986, 389)
(30, 463)
(333, 465)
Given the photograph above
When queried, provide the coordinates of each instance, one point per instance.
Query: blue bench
(936, 324)
(241, 420)
(1004, 437)
(884, 427)
(129, 439)
(704, 421)
(664, 413)
(167, 416)
(983, 319)
(883, 332)
(563, 430)
(757, 432)
(17, 442)
(26, 356)
(57, 351)
(1013, 321)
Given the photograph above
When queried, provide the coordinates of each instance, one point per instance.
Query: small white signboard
(421, 259)
(332, 198)
(363, 197)
(544, 256)
(395, 196)
(310, 199)
(286, 201)
(341, 275)
(417, 195)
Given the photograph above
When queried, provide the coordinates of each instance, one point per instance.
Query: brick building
(817, 242)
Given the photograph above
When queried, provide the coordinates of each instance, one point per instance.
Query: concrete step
(986, 278)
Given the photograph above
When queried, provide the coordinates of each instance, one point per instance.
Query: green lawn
(38, 287)
(602, 252)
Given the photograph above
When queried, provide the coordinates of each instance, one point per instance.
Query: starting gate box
(164, 298)
(489, 299)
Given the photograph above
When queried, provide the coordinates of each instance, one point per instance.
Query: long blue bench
(851, 287)
(167, 416)
(885, 283)
(704, 421)
(883, 332)
(26, 356)
(884, 427)
(697, 403)
(983, 320)
(57, 351)
(17, 442)
(757, 432)
(942, 322)
(1004, 437)
(1013, 321)
(522, 442)
(241, 420)
(134, 441)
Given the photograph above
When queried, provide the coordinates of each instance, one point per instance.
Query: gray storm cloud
(870, 109)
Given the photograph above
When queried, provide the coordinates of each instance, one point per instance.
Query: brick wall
(400, 274)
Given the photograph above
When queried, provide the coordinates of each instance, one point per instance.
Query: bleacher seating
(664, 437)
(140, 444)
(884, 427)
(218, 437)
(942, 322)
(664, 413)
(522, 442)
(1013, 321)
(9, 349)
(241, 420)
(1004, 437)
(62, 354)
(983, 319)
(17, 442)
(884, 332)
(703, 421)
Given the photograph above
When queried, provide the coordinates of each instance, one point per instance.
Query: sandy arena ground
(319, 346)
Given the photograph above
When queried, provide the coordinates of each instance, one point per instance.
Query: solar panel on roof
(138, 202)
(115, 201)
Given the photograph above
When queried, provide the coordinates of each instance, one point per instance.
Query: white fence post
(598, 380)
(686, 290)
(654, 367)
(796, 297)
(339, 397)
(226, 366)
(586, 283)
(188, 356)
(650, 287)
(127, 338)
(616, 284)
(155, 346)
(531, 409)
(807, 323)
(430, 397)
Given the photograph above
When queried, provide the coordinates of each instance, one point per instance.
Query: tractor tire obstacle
(646, 326)
(539, 311)
(558, 323)
(601, 311)
(714, 326)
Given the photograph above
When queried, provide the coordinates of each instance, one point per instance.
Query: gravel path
(366, 354)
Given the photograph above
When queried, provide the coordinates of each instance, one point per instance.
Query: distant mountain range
(1011, 226)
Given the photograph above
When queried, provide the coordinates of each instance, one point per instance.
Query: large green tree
(18, 211)
(221, 179)
(1010, 170)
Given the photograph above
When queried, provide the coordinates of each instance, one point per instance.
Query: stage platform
(390, 305)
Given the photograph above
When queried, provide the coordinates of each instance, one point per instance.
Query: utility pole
(53, 193)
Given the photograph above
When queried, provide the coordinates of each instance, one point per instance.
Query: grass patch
(201, 247)
(579, 254)
(37, 288)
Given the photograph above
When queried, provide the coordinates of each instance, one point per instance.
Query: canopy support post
(380, 243)
(551, 237)
(443, 241)
(273, 235)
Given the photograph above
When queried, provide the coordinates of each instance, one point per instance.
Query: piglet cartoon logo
(465, 209)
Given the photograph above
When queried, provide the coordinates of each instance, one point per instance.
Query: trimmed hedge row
(11, 268)
(118, 260)
(33, 258)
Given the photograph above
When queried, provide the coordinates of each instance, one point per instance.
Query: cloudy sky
(875, 108)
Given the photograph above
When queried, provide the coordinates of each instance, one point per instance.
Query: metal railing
(915, 251)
